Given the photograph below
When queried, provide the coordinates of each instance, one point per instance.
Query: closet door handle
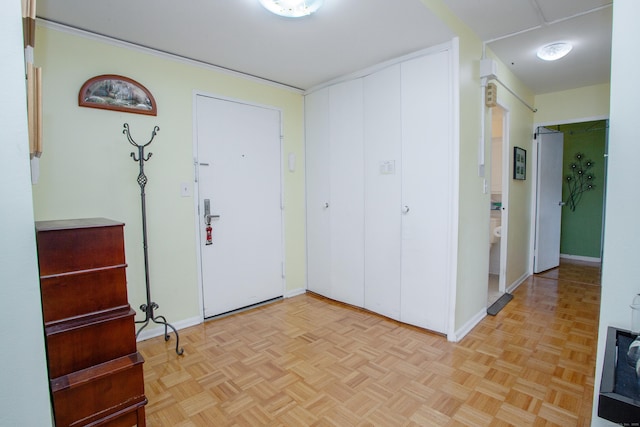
(405, 210)
(326, 205)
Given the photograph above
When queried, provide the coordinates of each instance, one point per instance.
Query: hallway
(310, 361)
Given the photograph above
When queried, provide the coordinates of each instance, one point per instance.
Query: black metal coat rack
(150, 306)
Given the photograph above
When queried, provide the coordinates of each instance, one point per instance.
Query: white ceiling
(345, 36)
(514, 29)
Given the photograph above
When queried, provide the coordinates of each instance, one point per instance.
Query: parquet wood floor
(309, 361)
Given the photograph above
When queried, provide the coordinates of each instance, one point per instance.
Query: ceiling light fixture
(292, 8)
(554, 51)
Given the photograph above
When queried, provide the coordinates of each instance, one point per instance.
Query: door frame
(196, 190)
(506, 181)
(534, 177)
(504, 194)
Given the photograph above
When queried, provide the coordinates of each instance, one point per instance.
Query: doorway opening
(583, 175)
(497, 215)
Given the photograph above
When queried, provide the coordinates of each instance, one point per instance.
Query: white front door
(549, 200)
(239, 177)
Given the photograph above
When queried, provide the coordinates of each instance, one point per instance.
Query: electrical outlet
(185, 189)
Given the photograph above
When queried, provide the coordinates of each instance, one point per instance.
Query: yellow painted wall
(570, 105)
(86, 170)
(473, 263)
(519, 205)
(473, 241)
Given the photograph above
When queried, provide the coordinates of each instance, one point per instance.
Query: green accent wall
(581, 233)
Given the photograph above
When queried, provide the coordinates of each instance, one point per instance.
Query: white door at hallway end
(549, 200)
(239, 176)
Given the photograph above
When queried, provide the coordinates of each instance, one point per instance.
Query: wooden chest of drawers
(94, 368)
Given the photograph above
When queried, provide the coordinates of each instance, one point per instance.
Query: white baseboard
(580, 258)
(468, 326)
(512, 287)
(294, 292)
(153, 330)
(471, 323)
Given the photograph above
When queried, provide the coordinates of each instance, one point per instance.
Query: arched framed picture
(119, 93)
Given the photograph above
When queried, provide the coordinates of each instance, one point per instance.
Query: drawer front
(121, 393)
(132, 417)
(81, 346)
(75, 295)
(67, 250)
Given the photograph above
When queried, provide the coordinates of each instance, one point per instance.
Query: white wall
(24, 392)
(620, 266)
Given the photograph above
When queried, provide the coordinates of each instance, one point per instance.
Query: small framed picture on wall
(519, 163)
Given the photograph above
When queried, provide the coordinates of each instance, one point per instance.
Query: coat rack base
(159, 320)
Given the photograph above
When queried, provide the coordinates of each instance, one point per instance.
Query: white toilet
(494, 242)
(495, 227)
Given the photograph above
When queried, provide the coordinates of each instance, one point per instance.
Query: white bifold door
(380, 193)
(383, 195)
(335, 199)
(427, 191)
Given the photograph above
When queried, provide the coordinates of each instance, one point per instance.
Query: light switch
(292, 162)
(185, 189)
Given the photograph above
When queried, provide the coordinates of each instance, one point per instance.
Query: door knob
(405, 209)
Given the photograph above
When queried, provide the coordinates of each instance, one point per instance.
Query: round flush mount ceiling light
(292, 8)
(554, 51)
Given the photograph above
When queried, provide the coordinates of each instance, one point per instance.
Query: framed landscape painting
(119, 93)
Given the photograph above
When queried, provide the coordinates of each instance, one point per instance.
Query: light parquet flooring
(308, 361)
(575, 271)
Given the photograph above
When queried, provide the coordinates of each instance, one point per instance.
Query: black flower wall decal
(579, 180)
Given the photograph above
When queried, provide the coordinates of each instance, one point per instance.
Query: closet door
(382, 134)
(346, 207)
(318, 192)
(427, 189)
